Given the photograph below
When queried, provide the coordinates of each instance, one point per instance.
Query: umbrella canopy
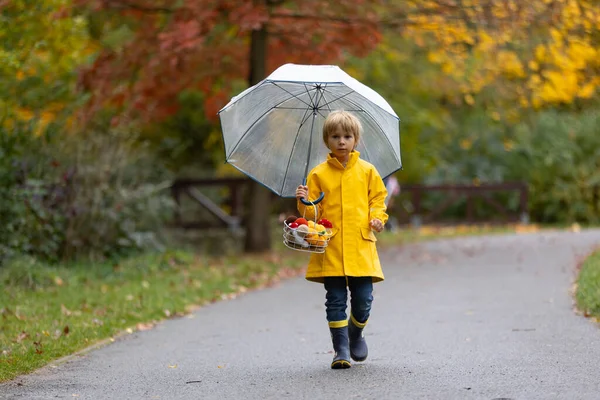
(272, 131)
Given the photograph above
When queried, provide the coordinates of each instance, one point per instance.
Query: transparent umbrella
(272, 131)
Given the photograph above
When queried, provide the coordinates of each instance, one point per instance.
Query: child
(354, 204)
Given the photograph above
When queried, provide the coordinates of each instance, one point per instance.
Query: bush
(558, 153)
(120, 199)
(92, 195)
(29, 223)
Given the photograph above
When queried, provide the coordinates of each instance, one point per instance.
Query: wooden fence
(412, 206)
(450, 195)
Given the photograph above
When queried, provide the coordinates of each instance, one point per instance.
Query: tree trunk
(258, 212)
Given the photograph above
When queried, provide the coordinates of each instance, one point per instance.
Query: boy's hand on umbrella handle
(376, 225)
(302, 192)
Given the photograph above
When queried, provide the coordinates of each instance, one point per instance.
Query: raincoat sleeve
(377, 195)
(314, 191)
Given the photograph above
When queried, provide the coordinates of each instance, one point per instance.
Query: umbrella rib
(234, 148)
(315, 105)
(312, 99)
(324, 98)
(287, 168)
(341, 97)
(358, 93)
(378, 125)
(330, 102)
(336, 99)
(291, 94)
(291, 108)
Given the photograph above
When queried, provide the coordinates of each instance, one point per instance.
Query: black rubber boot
(341, 358)
(358, 344)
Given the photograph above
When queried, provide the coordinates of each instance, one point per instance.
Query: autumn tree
(207, 45)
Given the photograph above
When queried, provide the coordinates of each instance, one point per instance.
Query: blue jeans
(361, 291)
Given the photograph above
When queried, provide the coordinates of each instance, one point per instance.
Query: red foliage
(205, 45)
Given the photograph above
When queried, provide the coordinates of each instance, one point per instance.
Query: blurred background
(110, 141)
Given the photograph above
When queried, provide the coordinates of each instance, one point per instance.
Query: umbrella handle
(310, 203)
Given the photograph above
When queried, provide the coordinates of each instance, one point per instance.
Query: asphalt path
(468, 318)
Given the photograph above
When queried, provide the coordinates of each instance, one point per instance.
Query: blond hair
(347, 121)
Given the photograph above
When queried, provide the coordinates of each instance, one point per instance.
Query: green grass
(588, 286)
(49, 312)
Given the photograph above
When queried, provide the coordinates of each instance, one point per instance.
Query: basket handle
(313, 202)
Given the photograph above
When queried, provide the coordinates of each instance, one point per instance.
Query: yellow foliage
(582, 53)
(587, 90)
(559, 87)
(540, 53)
(436, 57)
(24, 114)
(556, 35)
(466, 144)
(534, 66)
(47, 47)
(486, 42)
(448, 68)
(499, 11)
(535, 60)
(510, 64)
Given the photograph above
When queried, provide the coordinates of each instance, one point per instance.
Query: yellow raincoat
(353, 196)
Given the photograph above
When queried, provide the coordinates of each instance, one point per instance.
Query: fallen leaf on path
(173, 366)
(144, 327)
(526, 228)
